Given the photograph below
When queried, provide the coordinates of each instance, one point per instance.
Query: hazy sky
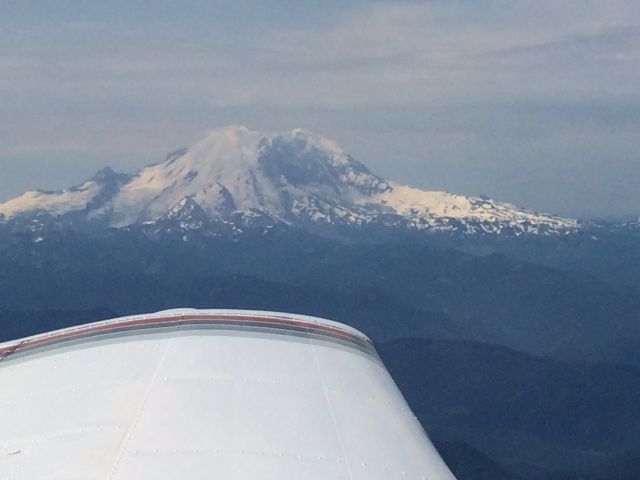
(534, 102)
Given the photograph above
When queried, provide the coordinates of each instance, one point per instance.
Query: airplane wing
(206, 394)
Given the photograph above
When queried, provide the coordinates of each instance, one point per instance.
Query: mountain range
(236, 177)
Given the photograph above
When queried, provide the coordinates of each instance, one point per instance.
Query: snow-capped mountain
(236, 176)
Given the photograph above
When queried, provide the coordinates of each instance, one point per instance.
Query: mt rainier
(237, 177)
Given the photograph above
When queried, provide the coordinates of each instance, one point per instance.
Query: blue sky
(532, 102)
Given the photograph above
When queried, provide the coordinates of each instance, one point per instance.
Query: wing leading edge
(206, 394)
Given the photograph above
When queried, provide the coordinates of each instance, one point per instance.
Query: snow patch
(55, 203)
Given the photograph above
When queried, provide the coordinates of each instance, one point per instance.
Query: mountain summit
(236, 175)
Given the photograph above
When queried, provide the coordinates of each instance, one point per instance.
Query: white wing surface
(206, 394)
